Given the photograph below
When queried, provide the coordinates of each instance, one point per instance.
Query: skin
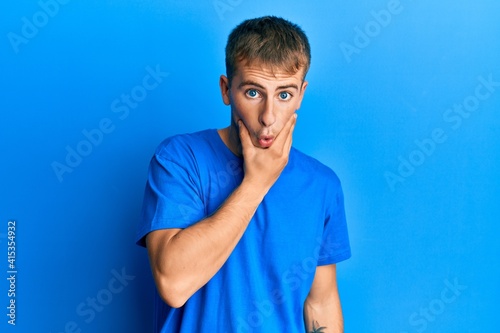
(264, 101)
(322, 307)
(263, 106)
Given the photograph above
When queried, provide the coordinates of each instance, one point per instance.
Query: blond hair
(269, 41)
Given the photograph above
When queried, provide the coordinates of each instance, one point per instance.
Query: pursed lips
(265, 141)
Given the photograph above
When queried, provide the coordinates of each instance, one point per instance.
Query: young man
(243, 231)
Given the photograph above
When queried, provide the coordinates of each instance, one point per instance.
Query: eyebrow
(253, 83)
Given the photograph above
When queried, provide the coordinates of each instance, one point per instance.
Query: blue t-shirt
(299, 225)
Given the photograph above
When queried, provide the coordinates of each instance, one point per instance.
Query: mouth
(265, 141)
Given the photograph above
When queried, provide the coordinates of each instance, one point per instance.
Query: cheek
(243, 111)
(237, 114)
(286, 114)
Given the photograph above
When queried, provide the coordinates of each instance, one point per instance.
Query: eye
(252, 93)
(284, 95)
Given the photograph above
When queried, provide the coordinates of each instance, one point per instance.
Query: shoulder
(312, 168)
(183, 145)
(185, 151)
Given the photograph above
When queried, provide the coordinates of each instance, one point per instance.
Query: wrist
(254, 189)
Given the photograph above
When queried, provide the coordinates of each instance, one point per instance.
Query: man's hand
(264, 166)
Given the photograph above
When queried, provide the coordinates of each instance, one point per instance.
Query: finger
(244, 135)
(285, 132)
(289, 137)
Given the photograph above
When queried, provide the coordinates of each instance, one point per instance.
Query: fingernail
(295, 115)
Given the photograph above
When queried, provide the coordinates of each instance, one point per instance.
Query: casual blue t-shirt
(299, 225)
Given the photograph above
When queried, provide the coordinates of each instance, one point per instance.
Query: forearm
(189, 259)
(323, 316)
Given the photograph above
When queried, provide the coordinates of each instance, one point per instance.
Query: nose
(267, 115)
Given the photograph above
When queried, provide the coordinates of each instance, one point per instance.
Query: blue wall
(403, 102)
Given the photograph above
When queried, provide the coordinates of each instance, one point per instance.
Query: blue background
(379, 86)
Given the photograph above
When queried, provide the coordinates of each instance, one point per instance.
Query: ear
(302, 91)
(224, 89)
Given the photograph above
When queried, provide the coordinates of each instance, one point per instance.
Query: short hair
(271, 41)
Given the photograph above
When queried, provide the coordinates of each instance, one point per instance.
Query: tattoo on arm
(316, 328)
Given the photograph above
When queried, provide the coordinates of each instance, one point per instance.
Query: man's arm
(184, 260)
(322, 310)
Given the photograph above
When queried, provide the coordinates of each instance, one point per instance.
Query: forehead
(263, 72)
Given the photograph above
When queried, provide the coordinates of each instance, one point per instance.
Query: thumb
(244, 135)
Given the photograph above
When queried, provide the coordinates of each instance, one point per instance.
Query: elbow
(172, 292)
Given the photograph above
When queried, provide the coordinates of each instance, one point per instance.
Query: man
(243, 232)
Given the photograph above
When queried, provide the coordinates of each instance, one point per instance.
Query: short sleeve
(335, 246)
(171, 197)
